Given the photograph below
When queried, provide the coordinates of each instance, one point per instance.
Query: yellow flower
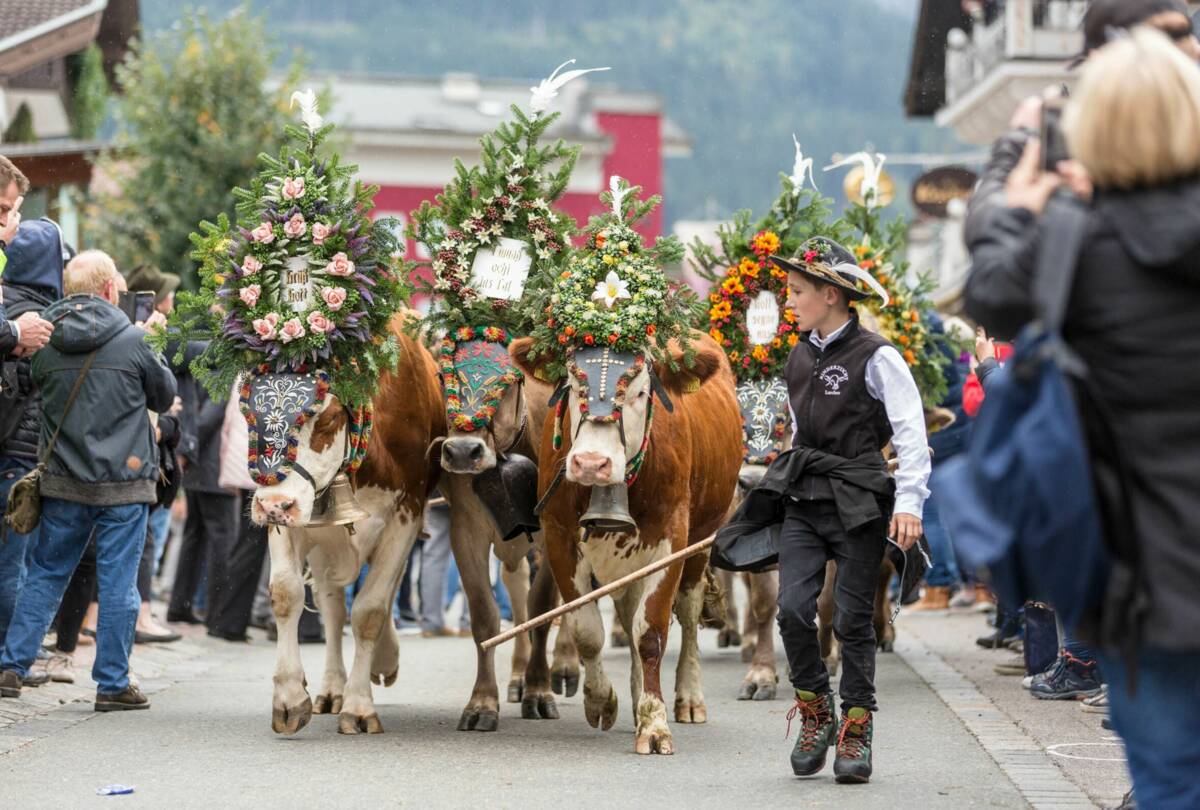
(720, 310)
(609, 259)
(789, 316)
(716, 335)
(714, 297)
(733, 356)
(776, 343)
(861, 250)
(793, 339)
(765, 242)
(748, 268)
(760, 353)
(733, 285)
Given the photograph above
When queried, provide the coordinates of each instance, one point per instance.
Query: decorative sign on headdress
(764, 406)
(304, 280)
(476, 373)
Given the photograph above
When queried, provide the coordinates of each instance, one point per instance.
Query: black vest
(834, 410)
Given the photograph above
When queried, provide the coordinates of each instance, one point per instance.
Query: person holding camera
(1134, 128)
(29, 332)
(100, 474)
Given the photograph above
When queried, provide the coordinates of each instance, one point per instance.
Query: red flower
(589, 340)
(650, 330)
(562, 339)
(612, 338)
(811, 256)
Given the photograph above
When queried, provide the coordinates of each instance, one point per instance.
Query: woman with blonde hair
(1133, 129)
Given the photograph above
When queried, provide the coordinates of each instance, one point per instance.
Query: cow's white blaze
(595, 441)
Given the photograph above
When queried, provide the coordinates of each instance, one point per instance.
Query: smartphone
(1054, 145)
(137, 306)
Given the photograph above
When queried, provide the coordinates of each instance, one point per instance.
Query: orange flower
(651, 329)
(720, 311)
(776, 343)
(748, 268)
(861, 250)
(714, 297)
(600, 240)
(866, 264)
(716, 335)
(765, 242)
(570, 330)
(733, 285)
(909, 357)
(612, 338)
(562, 339)
(789, 316)
(733, 356)
(760, 353)
(793, 339)
(882, 279)
(777, 273)
(565, 274)
(916, 316)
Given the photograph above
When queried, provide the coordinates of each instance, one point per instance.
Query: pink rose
(249, 295)
(320, 231)
(291, 330)
(340, 265)
(264, 233)
(295, 227)
(250, 265)
(293, 188)
(319, 323)
(334, 297)
(265, 327)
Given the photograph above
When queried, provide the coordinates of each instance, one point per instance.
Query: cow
(689, 459)
(515, 427)
(392, 486)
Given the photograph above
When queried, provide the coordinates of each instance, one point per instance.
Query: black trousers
(80, 592)
(211, 530)
(229, 614)
(813, 534)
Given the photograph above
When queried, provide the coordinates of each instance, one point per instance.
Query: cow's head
(298, 441)
(608, 395)
(485, 405)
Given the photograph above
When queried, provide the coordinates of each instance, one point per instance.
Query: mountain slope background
(739, 77)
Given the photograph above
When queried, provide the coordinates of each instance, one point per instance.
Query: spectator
(101, 472)
(1134, 127)
(435, 563)
(29, 332)
(32, 281)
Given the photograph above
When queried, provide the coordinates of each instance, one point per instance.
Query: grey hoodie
(105, 454)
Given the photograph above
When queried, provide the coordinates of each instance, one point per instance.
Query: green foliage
(20, 129)
(194, 113)
(89, 104)
(302, 223)
(508, 196)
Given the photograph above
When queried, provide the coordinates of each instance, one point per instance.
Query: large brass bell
(337, 505)
(608, 511)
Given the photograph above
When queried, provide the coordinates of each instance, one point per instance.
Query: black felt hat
(828, 262)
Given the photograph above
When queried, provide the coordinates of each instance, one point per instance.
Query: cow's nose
(591, 467)
(460, 455)
(276, 506)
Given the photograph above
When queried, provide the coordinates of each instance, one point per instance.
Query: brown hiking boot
(10, 684)
(129, 700)
(817, 733)
(932, 598)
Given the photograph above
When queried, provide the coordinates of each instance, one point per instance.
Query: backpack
(1020, 502)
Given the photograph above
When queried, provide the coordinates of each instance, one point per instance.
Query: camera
(137, 306)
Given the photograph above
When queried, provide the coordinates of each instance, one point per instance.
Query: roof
(925, 93)
(25, 19)
(463, 104)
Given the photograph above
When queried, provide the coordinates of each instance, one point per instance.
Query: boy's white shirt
(890, 382)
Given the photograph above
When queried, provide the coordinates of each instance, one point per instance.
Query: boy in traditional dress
(850, 392)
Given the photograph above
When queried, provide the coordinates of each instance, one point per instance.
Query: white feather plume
(872, 169)
(548, 89)
(800, 168)
(308, 109)
(618, 194)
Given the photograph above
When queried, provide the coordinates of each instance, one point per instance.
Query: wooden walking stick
(599, 593)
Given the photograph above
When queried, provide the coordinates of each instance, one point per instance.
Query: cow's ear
(521, 352)
(685, 378)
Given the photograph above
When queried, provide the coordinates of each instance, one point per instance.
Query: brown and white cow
(393, 483)
(515, 427)
(681, 496)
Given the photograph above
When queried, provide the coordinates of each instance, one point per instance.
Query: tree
(195, 113)
(20, 130)
(90, 101)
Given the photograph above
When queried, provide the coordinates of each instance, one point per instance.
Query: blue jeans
(160, 530)
(435, 559)
(1158, 725)
(65, 529)
(454, 585)
(944, 571)
(14, 547)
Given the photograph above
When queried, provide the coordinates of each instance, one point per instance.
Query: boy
(850, 392)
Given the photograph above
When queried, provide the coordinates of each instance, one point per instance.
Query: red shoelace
(851, 744)
(812, 715)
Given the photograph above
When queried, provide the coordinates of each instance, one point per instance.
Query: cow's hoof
(729, 638)
(746, 690)
(516, 692)
(291, 719)
(479, 720)
(565, 683)
(650, 743)
(887, 646)
(380, 679)
(765, 691)
(690, 711)
(619, 639)
(352, 724)
(539, 707)
(601, 713)
(327, 704)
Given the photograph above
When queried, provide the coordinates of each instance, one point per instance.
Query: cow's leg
(749, 625)
(650, 635)
(516, 580)
(291, 708)
(331, 599)
(689, 602)
(885, 632)
(760, 682)
(729, 635)
(831, 651)
(376, 649)
(564, 677)
(627, 602)
(538, 700)
(574, 577)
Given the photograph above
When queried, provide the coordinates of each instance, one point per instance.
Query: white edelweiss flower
(509, 215)
(514, 179)
(544, 254)
(612, 288)
(538, 236)
(496, 230)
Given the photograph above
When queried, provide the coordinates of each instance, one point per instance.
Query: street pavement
(206, 742)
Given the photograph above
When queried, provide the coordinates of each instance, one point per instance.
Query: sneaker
(10, 684)
(1074, 680)
(129, 700)
(1040, 677)
(819, 730)
(61, 667)
(36, 677)
(852, 765)
(965, 598)
(932, 598)
(1097, 703)
(985, 602)
(1012, 666)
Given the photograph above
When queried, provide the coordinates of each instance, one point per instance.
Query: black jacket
(23, 442)
(202, 418)
(988, 198)
(106, 454)
(1131, 318)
